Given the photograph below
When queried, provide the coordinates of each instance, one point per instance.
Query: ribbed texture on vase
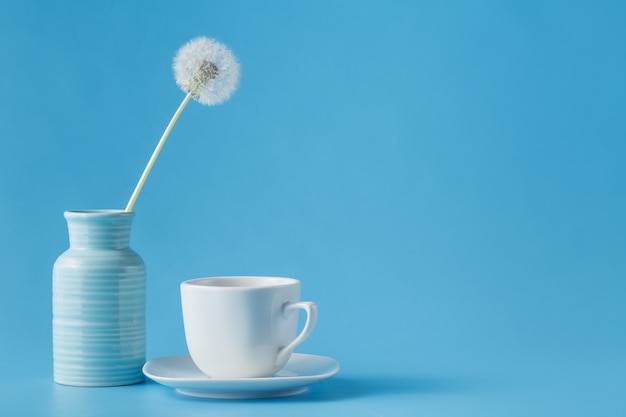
(99, 229)
(98, 304)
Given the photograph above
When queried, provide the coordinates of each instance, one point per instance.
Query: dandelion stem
(155, 154)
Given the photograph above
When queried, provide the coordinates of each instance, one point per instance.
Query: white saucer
(181, 373)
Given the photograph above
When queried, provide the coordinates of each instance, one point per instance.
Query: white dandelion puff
(207, 71)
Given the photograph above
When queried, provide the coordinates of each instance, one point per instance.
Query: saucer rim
(207, 379)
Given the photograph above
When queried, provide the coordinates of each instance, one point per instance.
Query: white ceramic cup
(243, 326)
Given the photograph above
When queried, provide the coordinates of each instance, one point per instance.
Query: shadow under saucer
(340, 387)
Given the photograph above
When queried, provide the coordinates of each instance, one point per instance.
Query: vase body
(98, 303)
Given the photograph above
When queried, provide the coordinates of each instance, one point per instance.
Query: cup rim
(246, 282)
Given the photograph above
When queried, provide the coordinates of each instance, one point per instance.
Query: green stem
(155, 154)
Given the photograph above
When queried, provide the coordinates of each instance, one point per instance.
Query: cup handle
(311, 318)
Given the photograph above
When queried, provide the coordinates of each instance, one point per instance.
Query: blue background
(446, 178)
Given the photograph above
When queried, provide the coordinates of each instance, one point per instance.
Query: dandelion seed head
(207, 69)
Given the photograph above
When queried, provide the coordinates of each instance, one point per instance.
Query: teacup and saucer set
(241, 333)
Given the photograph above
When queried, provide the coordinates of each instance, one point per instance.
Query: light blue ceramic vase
(98, 303)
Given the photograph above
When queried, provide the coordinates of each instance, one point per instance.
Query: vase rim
(98, 213)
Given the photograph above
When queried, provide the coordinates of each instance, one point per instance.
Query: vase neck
(99, 229)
